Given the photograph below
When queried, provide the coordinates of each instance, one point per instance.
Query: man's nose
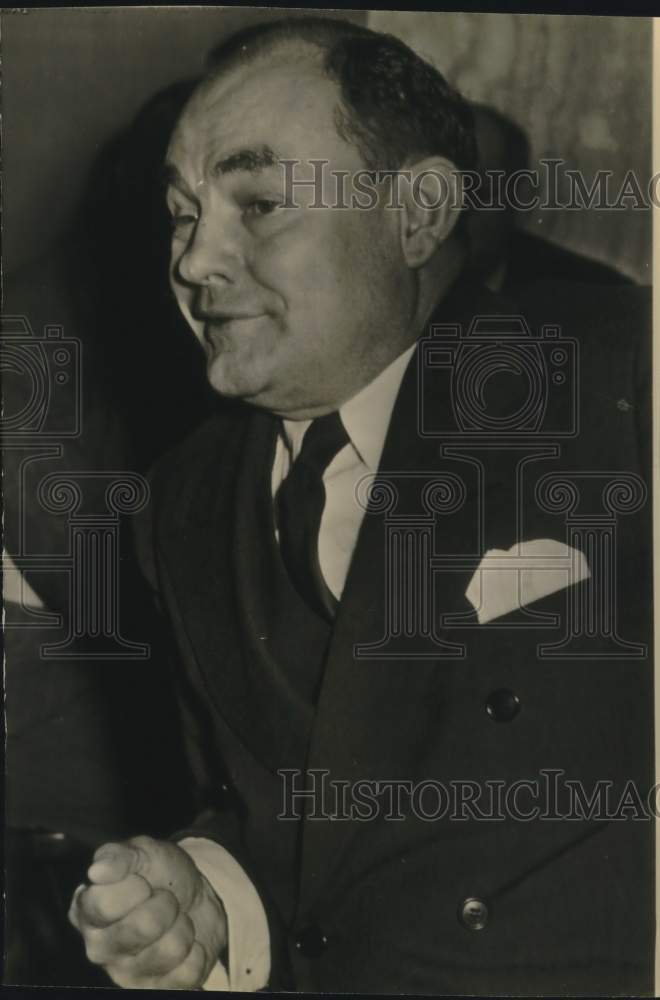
(211, 255)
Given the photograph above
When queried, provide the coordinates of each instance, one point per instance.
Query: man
(318, 638)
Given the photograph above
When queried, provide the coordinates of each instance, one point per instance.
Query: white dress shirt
(366, 418)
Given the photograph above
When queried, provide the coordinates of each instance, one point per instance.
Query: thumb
(165, 865)
(113, 862)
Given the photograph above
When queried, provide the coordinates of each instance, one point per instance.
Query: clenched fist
(149, 916)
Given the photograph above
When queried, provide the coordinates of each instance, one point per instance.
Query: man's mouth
(226, 315)
(218, 324)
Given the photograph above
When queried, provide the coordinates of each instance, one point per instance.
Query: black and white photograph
(328, 467)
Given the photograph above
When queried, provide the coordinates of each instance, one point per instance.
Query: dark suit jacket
(380, 904)
(532, 258)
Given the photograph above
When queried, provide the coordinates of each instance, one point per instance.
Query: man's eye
(182, 219)
(261, 206)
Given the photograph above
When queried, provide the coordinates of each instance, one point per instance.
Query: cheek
(279, 262)
(184, 299)
(307, 264)
(327, 270)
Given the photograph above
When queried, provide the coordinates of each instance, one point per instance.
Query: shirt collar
(366, 416)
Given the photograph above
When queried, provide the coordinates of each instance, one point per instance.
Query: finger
(190, 974)
(100, 905)
(113, 862)
(73, 914)
(152, 859)
(164, 955)
(144, 925)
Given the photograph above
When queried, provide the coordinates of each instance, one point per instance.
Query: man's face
(297, 308)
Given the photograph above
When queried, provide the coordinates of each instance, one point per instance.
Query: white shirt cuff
(249, 938)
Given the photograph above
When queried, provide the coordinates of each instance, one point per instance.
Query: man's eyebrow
(250, 160)
(172, 178)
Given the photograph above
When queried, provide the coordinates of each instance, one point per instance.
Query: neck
(435, 281)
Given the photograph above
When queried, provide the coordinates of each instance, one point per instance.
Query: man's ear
(431, 203)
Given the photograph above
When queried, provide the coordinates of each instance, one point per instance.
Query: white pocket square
(528, 571)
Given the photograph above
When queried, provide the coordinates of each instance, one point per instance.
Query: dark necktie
(299, 506)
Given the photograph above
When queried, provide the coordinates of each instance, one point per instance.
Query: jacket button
(473, 914)
(502, 705)
(311, 942)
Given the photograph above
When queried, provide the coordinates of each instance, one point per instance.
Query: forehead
(282, 100)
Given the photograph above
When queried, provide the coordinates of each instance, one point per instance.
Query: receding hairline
(357, 60)
(199, 101)
(313, 53)
(320, 33)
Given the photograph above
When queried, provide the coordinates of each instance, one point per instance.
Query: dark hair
(394, 106)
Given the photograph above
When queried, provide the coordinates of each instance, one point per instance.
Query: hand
(149, 917)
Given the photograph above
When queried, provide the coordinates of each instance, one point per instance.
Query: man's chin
(232, 381)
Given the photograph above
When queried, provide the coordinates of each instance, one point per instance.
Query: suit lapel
(213, 531)
(284, 717)
(379, 698)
